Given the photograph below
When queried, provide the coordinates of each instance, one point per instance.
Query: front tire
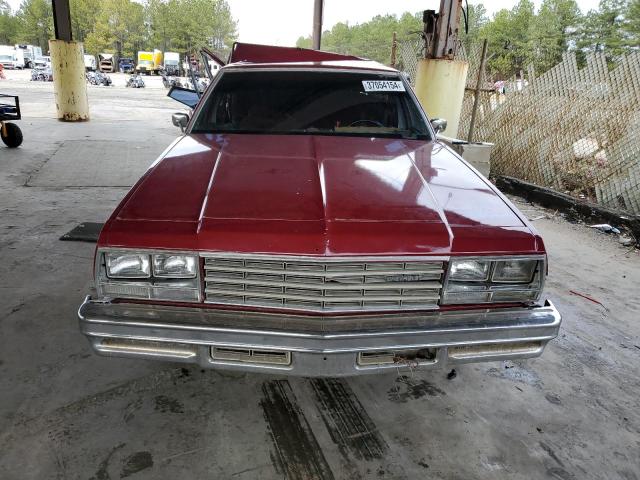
(14, 135)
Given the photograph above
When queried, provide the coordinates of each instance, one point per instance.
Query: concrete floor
(65, 413)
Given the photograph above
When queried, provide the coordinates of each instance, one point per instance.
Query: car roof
(249, 56)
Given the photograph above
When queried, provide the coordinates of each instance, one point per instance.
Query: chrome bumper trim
(319, 346)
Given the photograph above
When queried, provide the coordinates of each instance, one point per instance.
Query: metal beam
(441, 30)
(446, 44)
(318, 6)
(62, 20)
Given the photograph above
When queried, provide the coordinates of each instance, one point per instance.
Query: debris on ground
(535, 212)
(606, 228)
(588, 298)
(626, 240)
(452, 374)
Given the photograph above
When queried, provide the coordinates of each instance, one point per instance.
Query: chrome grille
(337, 284)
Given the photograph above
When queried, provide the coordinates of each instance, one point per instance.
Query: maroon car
(309, 222)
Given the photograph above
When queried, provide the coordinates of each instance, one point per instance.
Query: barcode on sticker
(383, 86)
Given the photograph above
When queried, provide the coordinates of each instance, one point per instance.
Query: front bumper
(316, 346)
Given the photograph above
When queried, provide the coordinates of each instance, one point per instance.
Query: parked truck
(145, 63)
(9, 58)
(172, 63)
(29, 53)
(106, 62)
(126, 65)
(90, 63)
(149, 63)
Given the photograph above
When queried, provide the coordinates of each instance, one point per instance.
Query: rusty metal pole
(67, 65)
(445, 39)
(318, 7)
(441, 77)
(476, 94)
(394, 46)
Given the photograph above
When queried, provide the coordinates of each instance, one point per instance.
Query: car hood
(316, 195)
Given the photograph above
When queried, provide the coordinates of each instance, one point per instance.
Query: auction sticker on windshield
(383, 86)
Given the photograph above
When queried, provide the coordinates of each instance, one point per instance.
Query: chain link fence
(576, 130)
(409, 51)
(572, 129)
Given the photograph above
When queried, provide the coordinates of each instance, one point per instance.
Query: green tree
(371, 39)
(508, 34)
(84, 14)
(206, 23)
(187, 25)
(9, 24)
(476, 19)
(163, 20)
(632, 27)
(553, 32)
(605, 30)
(35, 23)
(119, 28)
(126, 26)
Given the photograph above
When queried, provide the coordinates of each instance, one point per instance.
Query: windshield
(320, 103)
(6, 58)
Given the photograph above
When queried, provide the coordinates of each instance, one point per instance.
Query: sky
(281, 22)
(294, 18)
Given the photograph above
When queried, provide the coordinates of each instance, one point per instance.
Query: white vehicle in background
(29, 54)
(171, 63)
(9, 58)
(42, 62)
(20, 61)
(90, 64)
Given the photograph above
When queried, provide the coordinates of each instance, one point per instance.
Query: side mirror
(180, 120)
(439, 125)
(186, 96)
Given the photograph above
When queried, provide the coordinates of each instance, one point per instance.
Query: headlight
(173, 276)
(174, 266)
(516, 271)
(494, 280)
(469, 270)
(127, 265)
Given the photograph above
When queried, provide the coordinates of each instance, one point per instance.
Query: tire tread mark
(298, 454)
(349, 425)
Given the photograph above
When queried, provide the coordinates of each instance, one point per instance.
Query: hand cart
(10, 110)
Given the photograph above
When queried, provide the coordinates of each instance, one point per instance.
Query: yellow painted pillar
(69, 82)
(440, 87)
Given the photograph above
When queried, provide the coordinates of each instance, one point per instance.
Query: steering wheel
(364, 120)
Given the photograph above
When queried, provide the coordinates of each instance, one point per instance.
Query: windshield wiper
(417, 133)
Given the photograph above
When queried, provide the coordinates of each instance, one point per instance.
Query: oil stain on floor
(408, 388)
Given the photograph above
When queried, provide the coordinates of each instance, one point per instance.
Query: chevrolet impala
(309, 222)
